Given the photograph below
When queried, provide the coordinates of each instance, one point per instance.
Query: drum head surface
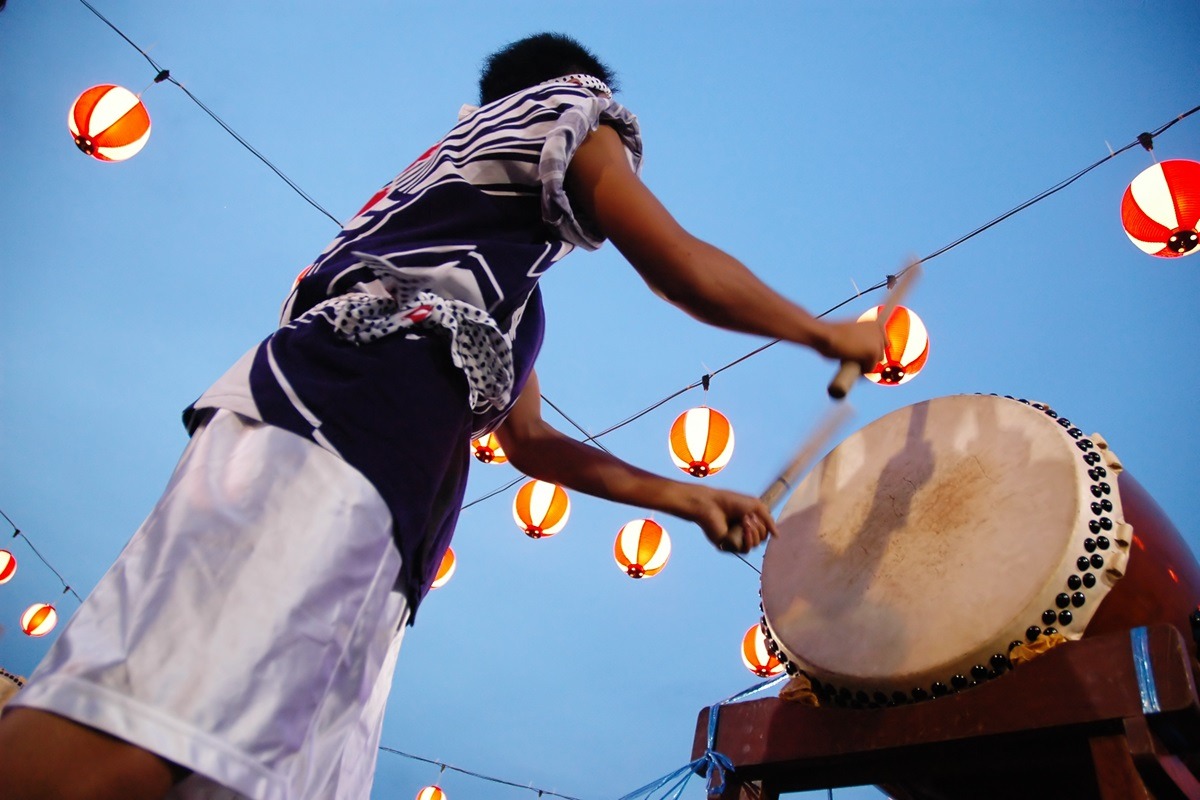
(919, 538)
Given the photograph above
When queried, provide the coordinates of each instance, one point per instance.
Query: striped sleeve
(564, 139)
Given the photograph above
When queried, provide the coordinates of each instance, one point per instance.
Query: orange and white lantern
(907, 347)
(642, 548)
(701, 442)
(109, 123)
(756, 656)
(302, 275)
(431, 793)
(1161, 209)
(445, 570)
(39, 619)
(541, 509)
(8, 566)
(488, 450)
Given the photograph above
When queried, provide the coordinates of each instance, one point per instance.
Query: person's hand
(716, 511)
(858, 342)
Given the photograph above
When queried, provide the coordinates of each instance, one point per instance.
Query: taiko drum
(927, 544)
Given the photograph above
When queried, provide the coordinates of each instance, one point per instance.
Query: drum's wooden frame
(1071, 724)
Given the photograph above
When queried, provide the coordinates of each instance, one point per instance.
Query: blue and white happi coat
(418, 325)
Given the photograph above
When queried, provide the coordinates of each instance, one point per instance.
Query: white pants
(250, 628)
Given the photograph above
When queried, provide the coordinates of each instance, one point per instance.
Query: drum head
(920, 540)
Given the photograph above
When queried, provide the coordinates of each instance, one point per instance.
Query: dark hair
(534, 59)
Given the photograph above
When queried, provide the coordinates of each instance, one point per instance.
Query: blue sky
(821, 143)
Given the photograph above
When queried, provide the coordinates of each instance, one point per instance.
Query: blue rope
(679, 787)
(712, 765)
(650, 788)
(715, 765)
(733, 698)
(1145, 671)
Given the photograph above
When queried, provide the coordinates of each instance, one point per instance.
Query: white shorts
(250, 628)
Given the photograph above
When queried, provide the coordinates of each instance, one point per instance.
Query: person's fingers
(767, 519)
(755, 530)
(750, 513)
(753, 540)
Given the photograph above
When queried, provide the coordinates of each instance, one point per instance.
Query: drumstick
(850, 371)
(834, 418)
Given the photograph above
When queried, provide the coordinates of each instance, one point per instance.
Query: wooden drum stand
(1112, 716)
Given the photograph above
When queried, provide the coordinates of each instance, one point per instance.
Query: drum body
(928, 543)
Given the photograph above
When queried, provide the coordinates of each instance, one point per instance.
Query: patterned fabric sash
(579, 79)
(477, 345)
(584, 80)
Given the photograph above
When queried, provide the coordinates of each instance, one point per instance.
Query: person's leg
(243, 625)
(47, 757)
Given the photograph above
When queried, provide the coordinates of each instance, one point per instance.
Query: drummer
(298, 463)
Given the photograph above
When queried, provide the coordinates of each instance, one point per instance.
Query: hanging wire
(1058, 187)
(165, 75)
(1144, 140)
(494, 492)
(479, 775)
(17, 532)
(576, 425)
(890, 279)
(592, 439)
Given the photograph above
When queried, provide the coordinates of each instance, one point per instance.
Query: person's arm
(701, 279)
(535, 448)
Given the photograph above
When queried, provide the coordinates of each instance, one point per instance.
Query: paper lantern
(302, 275)
(39, 619)
(109, 123)
(1161, 209)
(488, 450)
(431, 793)
(906, 350)
(445, 570)
(8, 566)
(642, 548)
(755, 655)
(541, 509)
(701, 442)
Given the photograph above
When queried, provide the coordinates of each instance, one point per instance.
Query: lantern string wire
(886, 282)
(120, 33)
(576, 425)
(163, 74)
(444, 766)
(257, 154)
(1063, 184)
(1145, 140)
(494, 492)
(705, 379)
(17, 532)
